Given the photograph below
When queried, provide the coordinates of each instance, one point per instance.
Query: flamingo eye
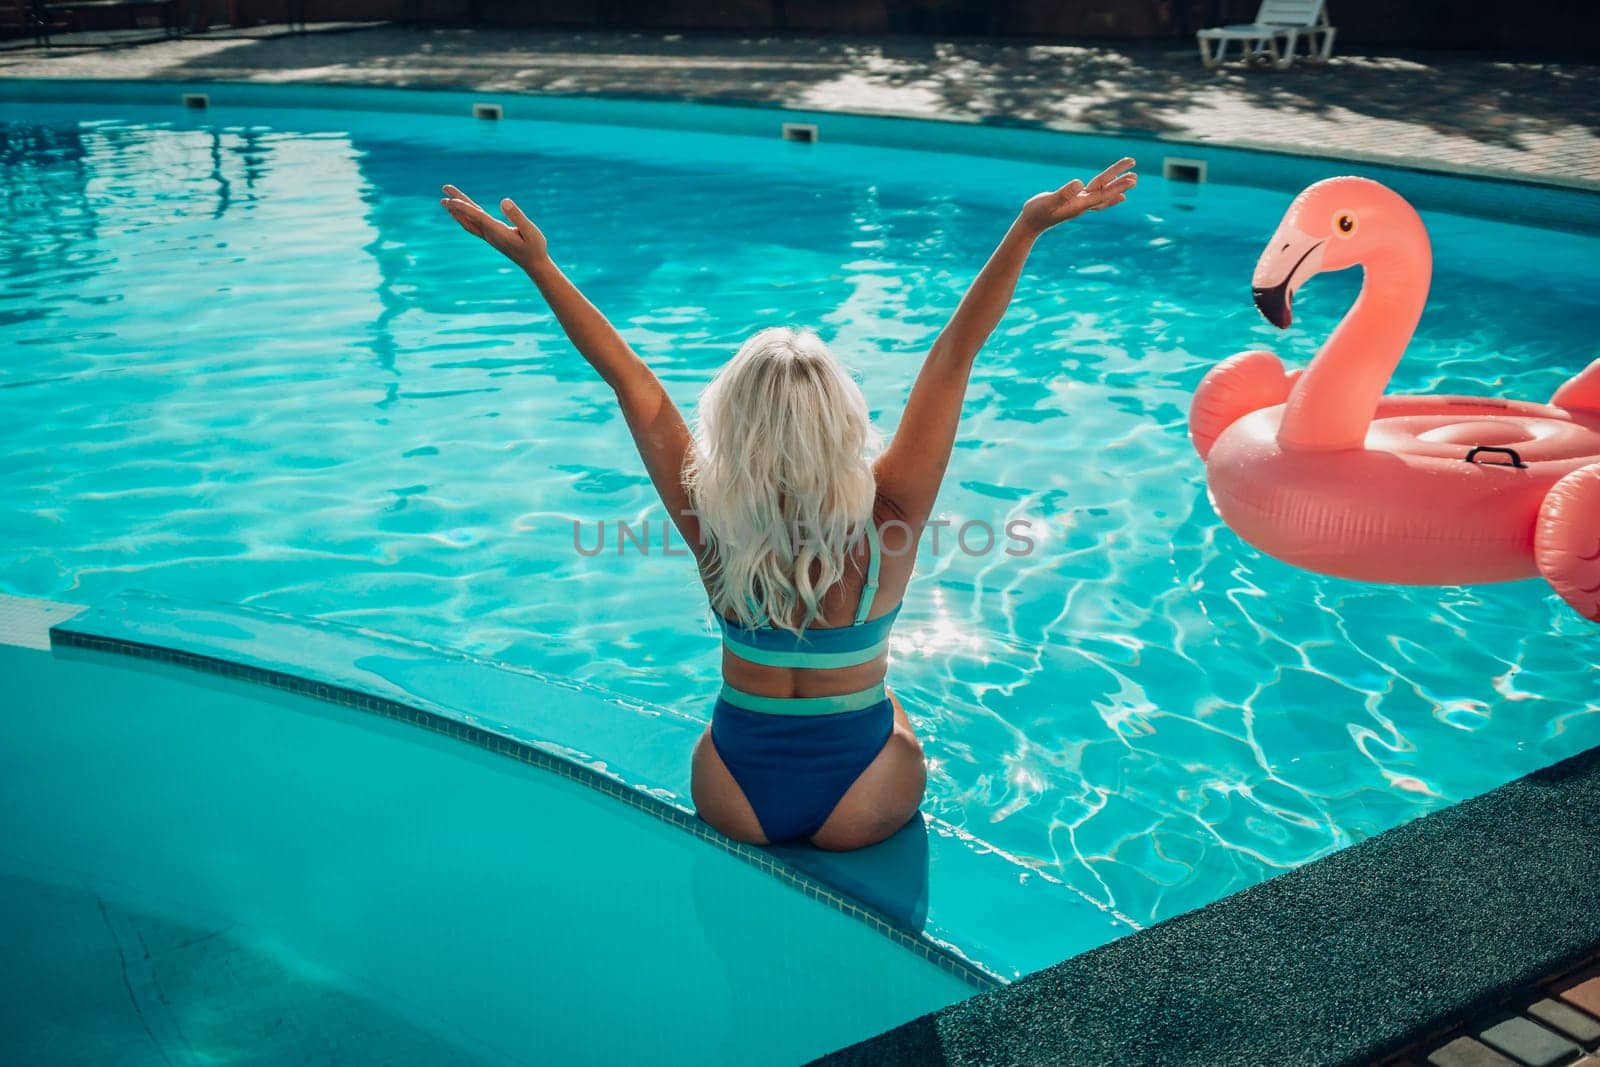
(1344, 224)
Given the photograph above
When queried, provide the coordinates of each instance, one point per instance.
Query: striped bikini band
(832, 705)
(845, 646)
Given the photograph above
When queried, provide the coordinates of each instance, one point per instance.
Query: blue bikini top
(837, 646)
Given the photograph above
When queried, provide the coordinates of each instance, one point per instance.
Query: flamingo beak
(1273, 303)
(1289, 260)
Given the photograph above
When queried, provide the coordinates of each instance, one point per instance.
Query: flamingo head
(1334, 224)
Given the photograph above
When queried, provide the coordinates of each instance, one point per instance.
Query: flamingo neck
(1332, 404)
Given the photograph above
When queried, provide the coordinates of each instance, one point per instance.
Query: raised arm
(912, 467)
(658, 429)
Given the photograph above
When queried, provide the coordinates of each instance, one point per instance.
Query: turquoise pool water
(195, 870)
(247, 358)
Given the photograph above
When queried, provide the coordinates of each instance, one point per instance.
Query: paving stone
(1585, 994)
(1578, 1025)
(1530, 1043)
(1465, 1052)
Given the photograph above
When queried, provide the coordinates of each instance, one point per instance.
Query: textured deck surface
(1556, 1022)
(1382, 947)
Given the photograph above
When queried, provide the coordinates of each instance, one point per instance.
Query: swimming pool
(247, 360)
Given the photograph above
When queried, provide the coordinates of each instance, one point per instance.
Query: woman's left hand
(521, 242)
(1108, 188)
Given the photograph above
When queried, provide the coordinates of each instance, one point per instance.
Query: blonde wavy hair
(781, 477)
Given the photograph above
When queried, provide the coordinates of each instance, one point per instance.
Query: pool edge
(1348, 959)
(61, 90)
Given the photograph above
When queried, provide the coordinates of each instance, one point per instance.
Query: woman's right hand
(521, 242)
(1109, 187)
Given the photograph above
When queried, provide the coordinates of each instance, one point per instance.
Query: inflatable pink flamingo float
(1322, 470)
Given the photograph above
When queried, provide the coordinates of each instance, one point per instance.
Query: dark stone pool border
(1346, 960)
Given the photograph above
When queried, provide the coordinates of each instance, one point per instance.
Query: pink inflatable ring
(1321, 470)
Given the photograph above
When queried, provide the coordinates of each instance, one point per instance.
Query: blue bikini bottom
(795, 768)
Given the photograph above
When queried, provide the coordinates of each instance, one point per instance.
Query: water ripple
(337, 405)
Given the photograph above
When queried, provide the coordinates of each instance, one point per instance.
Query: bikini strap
(870, 590)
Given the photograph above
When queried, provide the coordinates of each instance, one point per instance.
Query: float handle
(1516, 460)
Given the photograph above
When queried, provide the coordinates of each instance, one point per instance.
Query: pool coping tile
(1351, 958)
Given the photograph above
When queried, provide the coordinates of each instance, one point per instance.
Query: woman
(805, 543)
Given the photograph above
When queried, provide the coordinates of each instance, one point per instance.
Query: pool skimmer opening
(1177, 169)
(488, 111)
(800, 132)
(199, 101)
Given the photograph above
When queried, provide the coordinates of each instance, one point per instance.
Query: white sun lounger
(1275, 35)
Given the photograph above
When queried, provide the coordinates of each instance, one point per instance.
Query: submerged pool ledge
(941, 893)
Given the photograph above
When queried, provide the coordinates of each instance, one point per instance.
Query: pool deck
(1453, 112)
